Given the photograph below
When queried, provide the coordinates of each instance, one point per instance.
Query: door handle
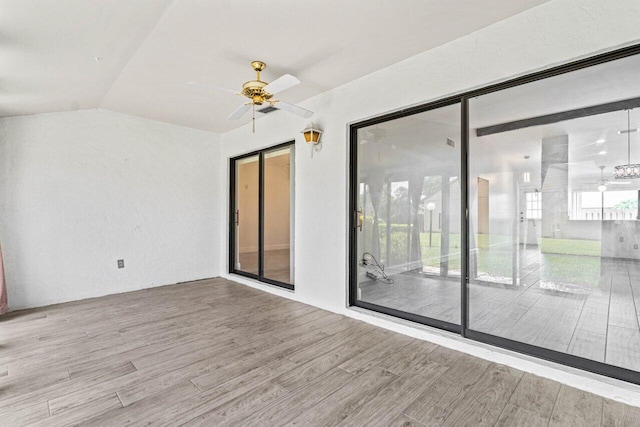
(238, 217)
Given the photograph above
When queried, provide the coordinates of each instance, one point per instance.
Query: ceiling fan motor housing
(254, 90)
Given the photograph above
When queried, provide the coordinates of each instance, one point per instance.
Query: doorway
(261, 215)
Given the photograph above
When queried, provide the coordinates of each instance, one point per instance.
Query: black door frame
(353, 207)
(463, 328)
(232, 215)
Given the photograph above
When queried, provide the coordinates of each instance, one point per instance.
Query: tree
(627, 205)
(432, 185)
(400, 205)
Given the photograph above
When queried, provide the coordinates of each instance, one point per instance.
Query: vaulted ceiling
(135, 56)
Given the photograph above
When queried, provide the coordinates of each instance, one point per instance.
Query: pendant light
(628, 171)
(602, 186)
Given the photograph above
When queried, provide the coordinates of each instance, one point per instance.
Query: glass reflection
(409, 211)
(554, 237)
(278, 227)
(247, 215)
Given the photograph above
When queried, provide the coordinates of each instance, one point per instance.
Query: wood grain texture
(616, 414)
(215, 352)
(514, 416)
(576, 408)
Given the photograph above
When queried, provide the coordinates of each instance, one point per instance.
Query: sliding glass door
(261, 216)
(557, 264)
(408, 208)
(277, 212)
(510, 214)
(246, 215)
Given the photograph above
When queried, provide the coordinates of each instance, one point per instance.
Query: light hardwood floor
(217, 353)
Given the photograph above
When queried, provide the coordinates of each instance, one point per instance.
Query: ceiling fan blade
(618, 182)
(281, 83)
(294, 109)
(214, 87)
(239, 112)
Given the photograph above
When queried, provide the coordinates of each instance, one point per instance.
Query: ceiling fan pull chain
(253, 120)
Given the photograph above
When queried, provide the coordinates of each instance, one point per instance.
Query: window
(609, 205)
(534, 208)
(261, 216)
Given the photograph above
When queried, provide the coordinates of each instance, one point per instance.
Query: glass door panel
(408, 239)
(278, 224)
(554, 259)
(247, 215)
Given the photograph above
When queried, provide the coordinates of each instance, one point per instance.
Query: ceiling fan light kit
(260, 92)
(628, 171)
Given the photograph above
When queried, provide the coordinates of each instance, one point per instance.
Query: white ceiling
(149, 49)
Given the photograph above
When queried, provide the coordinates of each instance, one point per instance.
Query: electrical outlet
(621, 239)
(120, 263)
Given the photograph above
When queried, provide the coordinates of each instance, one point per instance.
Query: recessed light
(602, 152)
(601, 141)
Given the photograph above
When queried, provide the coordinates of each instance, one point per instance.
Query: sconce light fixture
(312, 134)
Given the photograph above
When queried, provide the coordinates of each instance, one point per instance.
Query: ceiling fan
(602, 184)
(260, 92)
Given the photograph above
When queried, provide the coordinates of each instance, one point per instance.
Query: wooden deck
(218, 353)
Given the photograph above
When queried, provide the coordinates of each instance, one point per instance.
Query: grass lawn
(571, 247)
(563, 260)
(569, 261)
(570, 269)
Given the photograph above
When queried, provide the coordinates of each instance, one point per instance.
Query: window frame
(533, 206)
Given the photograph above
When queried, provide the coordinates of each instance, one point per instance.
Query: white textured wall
(83, 189)
(554, 33)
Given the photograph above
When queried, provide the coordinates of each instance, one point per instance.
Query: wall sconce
(312, 134)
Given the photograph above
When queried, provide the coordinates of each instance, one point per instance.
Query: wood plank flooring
(215, 352)
(600, 322)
